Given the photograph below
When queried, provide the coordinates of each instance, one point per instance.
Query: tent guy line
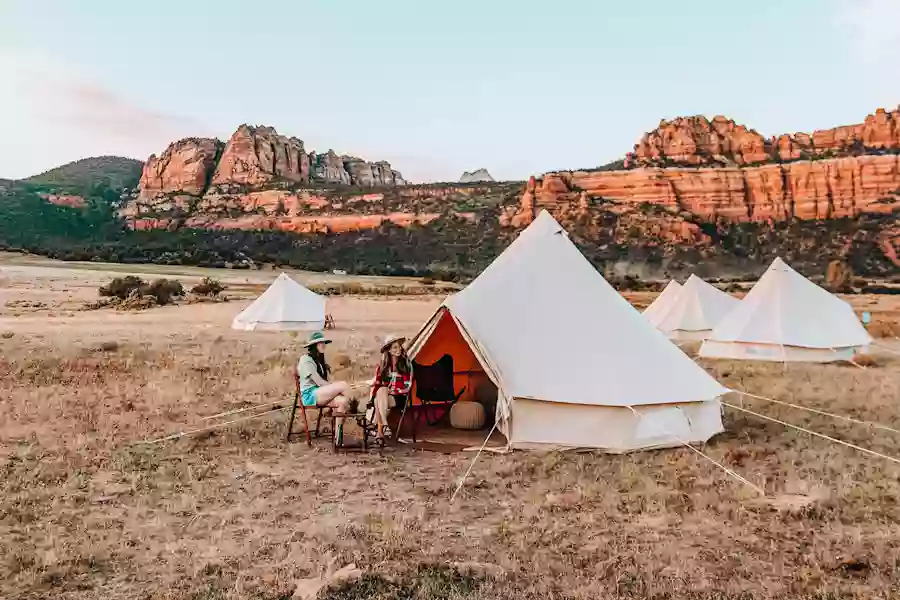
(728, 471)
(353, 386)
(236, 411)
(886, 349)
(182, 434)
(462, 480)
(821, 412)
(815, 433)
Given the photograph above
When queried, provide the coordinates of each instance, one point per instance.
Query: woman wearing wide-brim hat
(313, 371)
(392, 383)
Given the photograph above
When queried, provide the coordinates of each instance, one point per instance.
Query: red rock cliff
(806, 190)
(254, 157)
(865, 179)
(690, 141)
(185, 166)
(257, 155)
(717, 170)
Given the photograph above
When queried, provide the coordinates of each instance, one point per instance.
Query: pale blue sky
(517, 87)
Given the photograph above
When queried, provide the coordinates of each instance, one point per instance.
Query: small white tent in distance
(787, 318)
(285, 306)
(575, 365)
(662, 302)
(694, 311)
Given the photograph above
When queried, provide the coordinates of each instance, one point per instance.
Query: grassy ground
(238, 513)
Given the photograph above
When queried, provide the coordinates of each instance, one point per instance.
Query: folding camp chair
(337, 433)
(322, 412)
(433, 386)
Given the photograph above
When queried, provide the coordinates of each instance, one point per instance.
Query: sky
(519, 87)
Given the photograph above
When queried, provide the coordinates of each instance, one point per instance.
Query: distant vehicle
(339, 272)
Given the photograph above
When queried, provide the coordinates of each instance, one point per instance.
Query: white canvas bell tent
(662, 302)
(575, 365)
(694, 311)
(786, 317)
(285, 306)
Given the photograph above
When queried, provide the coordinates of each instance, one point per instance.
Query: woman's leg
(327, 393)
(382, 400)
(334, 396)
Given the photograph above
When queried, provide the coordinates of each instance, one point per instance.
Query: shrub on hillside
(208, 287)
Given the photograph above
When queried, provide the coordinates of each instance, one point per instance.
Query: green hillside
(80, 177)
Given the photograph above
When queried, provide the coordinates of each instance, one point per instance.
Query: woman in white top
(313, 371)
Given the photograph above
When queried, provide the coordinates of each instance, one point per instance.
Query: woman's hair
(319, 358)
(403, 364)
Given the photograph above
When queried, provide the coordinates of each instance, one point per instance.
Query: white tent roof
(549, 327)
(697, 307)
(662, 302)
(785, 308)
(285, 305)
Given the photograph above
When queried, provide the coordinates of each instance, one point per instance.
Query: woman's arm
(312, 371)
(317, 379)
(376, 381)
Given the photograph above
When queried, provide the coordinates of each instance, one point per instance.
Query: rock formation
(693, 141)
(257, 155)
(696, 140)
(720, 172)
(684, 188)
(185, 167)
(254, 158)
(819, 189)
(474, 176)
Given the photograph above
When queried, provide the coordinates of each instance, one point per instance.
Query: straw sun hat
(317, 338)
(390, 339)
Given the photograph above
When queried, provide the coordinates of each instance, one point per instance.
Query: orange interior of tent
(446, 339)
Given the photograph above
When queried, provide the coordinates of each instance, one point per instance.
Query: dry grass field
(238, 513)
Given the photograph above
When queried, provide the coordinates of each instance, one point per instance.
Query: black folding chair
(435, 392)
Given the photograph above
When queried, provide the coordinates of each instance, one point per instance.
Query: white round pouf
(467, 415)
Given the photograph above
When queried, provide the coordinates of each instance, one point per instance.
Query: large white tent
(662, 302)
(694, 311)
(786, 317)
(285, 306)
(574, 363)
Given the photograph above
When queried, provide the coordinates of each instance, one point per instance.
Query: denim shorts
(308, 396)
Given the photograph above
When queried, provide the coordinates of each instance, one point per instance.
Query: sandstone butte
(707, 170)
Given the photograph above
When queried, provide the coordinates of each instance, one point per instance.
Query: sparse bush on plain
(164, 290)
(208, 287)
(121, 287)
(131, 288)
